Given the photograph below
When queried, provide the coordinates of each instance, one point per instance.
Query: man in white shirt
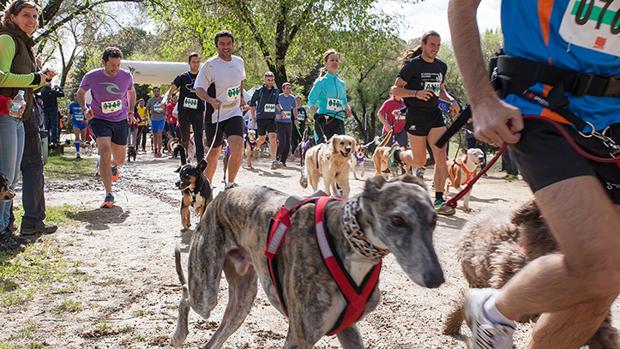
(220, 83)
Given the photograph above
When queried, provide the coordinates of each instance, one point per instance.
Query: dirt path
(129, 294)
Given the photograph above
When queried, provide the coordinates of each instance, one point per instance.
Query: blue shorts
(158, 125)
(116, 130)
(78, 124)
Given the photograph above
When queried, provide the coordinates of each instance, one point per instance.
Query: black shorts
(116, 130)
(229, 127)
(545, 157)
(266, 126)
(421, 121)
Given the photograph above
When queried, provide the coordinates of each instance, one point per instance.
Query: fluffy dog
(5, 192)
(491, 252)
(357, 160)
(380, 161)
(249, 145)
(331, 161)
(131, 153)
(196, 189)
(462, 171)
(396, 215)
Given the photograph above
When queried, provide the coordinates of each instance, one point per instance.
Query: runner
(114, 99)
(226, 72)
(79, 126)
(392, 119)
(143, 125)
(157, 113)
(421, 83)
(300, 125)
(191, 108)
(286, 117)
(579, 198)
(328, 99)
(263, 105)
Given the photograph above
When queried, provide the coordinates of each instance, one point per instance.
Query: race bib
(233, 94)
(111, 106)
(334, 104)
(158, 110)
(399, 116)
(190, 103)
(286, 114)
(78, 117)
(269, 108)
(593, 24)
(433, 86)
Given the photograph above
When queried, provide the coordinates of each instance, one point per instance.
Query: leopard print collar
(354, 234)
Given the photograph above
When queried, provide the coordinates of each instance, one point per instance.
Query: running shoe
(77, 156)
(231, 185)
(116, 173)
(443, 209)
(108, 202)
(10, 242)
(485, 333)
(275, 165)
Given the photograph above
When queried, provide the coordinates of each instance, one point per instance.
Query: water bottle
(18, 102)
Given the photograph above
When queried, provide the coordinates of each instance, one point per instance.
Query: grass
(69, 306)
(60, 167)
(54, 214)
(39, 269)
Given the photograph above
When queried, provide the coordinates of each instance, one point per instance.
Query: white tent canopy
(154, 73)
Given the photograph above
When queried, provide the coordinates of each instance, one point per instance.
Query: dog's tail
(387, 138)
(177, 262)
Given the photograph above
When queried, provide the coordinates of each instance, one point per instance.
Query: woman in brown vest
(17, 72)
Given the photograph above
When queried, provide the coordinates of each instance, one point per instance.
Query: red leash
(453, 201)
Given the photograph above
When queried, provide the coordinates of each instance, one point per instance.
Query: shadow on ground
(98, 219)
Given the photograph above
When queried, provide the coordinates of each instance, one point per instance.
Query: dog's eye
(397, 221)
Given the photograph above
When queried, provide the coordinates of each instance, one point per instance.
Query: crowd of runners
(560, 67)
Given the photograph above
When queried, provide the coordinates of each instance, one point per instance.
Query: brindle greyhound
(397, 216)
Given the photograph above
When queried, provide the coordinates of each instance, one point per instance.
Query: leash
(614, 157)
(217, 125)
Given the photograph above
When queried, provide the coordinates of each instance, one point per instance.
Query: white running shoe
(485, 334)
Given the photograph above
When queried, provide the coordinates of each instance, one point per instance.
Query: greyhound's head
(398, 215)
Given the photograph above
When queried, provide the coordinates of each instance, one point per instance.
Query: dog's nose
(433, 279)
(178, 184)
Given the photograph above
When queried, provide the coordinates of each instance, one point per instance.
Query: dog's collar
(358, 158)
(355, 235)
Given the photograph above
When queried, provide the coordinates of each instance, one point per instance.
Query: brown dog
(462, 171)
(331, 161)
(357, 161)
(491, 252)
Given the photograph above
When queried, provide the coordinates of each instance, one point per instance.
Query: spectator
(50, 97)
(17, 72)
(143, 125)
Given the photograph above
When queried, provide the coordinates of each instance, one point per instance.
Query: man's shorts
(266, 126)
(421, 121)
(158, 125)
(80, 125)
(228, 127)
(116, 130)
(545, 157)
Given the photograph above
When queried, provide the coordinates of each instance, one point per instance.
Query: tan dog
(461, 171)
(330, 161)
(357, 160)
(250, 144)
(381, 154)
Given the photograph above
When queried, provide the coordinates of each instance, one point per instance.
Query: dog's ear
(202, 165)
(409, 179)
(354, 143)
(178, 169)
(373, 185)
(333, 142)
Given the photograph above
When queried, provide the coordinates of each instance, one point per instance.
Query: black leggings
(141, 137)
(326, 128)
(296, 136)
(284, 140)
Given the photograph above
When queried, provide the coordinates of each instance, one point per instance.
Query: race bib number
(190, 103)
(269, 108)
(111, 106)
(433, 86)
(158, 110)
(593, 24)
(286, 114)
(78, 117)
(334, 104)
(233, 94)
(399, 116)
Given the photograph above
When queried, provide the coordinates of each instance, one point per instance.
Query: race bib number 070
(334, 104)
(593, 24)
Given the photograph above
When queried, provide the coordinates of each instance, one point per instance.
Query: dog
(249, 145)
(380, 161)
(331, 161)
(171, 144)
(131, 153)
(357, 160)
(396, 215)
(492, 251)
(6, 193)
(307, 142)
(462, 171)
(195, 187)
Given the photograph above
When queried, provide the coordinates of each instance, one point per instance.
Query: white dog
(463, 170)
(330, 161)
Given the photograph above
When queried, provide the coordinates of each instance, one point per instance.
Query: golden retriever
(330, 161)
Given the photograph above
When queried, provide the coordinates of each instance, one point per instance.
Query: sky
(433, 14)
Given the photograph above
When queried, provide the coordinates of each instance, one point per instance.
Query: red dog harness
(355, 296)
